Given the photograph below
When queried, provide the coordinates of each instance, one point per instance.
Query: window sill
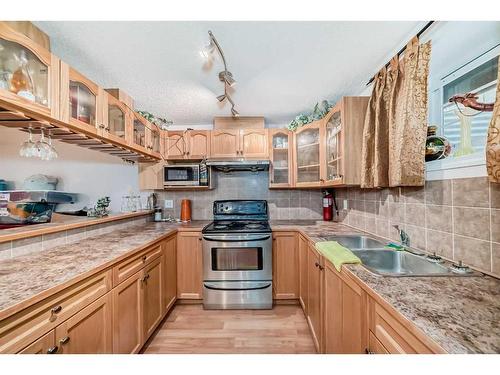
(461, 167)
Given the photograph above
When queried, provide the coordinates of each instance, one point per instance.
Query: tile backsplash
(283, 204)
(458, 219)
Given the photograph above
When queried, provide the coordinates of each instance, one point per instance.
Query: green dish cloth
(337, 254)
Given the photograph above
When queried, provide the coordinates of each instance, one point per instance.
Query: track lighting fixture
(226, 77)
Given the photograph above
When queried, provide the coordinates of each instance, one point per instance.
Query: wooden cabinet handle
(64, 340)
(56, 310)
(144, 257)
(52, 350)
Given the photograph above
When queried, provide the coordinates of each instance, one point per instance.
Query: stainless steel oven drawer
(222, 295)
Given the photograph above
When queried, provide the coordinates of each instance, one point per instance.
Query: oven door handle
(257, 286)
(233, 239)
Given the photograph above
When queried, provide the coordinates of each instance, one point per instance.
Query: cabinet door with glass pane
(80, 103)
(155, 140)
(280, 153)
(29, 74)
(308, 155)
(140, 130)
(333, 146)
(117, 120)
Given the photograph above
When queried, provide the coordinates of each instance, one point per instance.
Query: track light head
(221, 98)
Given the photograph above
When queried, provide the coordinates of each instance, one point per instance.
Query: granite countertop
(27, 276)
(461, 314)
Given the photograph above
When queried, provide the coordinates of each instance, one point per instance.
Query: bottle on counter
(158, 214)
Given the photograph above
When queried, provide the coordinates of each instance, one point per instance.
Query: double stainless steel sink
(387, 262)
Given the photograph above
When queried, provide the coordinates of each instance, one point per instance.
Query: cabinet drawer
(23, 328)
(375, 346)
(135, 263)
(392, 334)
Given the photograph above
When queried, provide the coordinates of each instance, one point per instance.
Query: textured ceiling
(281, 68)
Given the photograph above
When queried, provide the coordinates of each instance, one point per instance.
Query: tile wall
(283, 204)
(16, 248)
(458, 219)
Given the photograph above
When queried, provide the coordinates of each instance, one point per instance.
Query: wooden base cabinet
(153, 297)
(170, 272)
(345, 324)
(285, 266)
(303, 273)
(315, 286)
(189, 266)
(127, 315)
(89, 331)
(44, 345)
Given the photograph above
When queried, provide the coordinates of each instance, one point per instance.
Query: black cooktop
(239, 226)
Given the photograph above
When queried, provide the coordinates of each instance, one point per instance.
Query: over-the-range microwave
(185, 175)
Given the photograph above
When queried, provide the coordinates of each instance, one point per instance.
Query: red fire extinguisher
(327, 206)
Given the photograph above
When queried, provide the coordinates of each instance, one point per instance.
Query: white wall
(91, 173)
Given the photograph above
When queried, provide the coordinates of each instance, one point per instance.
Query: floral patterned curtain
(395, 129)
(493, 142)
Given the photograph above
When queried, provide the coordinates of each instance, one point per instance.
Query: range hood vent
(239, 165)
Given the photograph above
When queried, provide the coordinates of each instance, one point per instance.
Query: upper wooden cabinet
(253, 143)
(309, 154)
(247, 143)
(81, 101)
(144, 135)
(29, 74)
(117, 120)
(225, 143)
(343, 132)
(281, 157)
(188, 144)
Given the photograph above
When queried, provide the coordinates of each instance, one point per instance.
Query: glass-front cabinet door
(155, 140)
(80, 99)
(139, 131)
(333, 154)
(117, 120)
(28, 73)
(308, 155)
(280, 153)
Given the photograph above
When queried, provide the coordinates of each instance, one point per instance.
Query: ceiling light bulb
(221, 98)
(206, 52)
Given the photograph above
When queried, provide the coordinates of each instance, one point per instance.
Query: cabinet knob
(368, 351)
(52, 350)
(64, 340)
(145, 278)
(56, 310)
(199, 239)
(144, 257)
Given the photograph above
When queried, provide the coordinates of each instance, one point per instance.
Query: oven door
(237, 257)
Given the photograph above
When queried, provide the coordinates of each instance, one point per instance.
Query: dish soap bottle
(203, 173)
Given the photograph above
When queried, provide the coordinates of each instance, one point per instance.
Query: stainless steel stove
(237, 256)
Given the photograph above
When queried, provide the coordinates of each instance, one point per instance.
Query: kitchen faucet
(405, 238)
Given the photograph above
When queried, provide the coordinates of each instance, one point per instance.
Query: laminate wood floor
(190, 329)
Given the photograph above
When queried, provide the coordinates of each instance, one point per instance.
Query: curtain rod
(427, 25)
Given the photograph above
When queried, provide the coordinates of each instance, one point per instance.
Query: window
(482, 81)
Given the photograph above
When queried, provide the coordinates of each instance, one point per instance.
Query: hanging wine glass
(27, 147)
(52, 151)
(42, 147)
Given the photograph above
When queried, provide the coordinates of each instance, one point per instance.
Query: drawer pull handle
(56, 310)
(52, 350)
(64, 340)
(144, 258)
